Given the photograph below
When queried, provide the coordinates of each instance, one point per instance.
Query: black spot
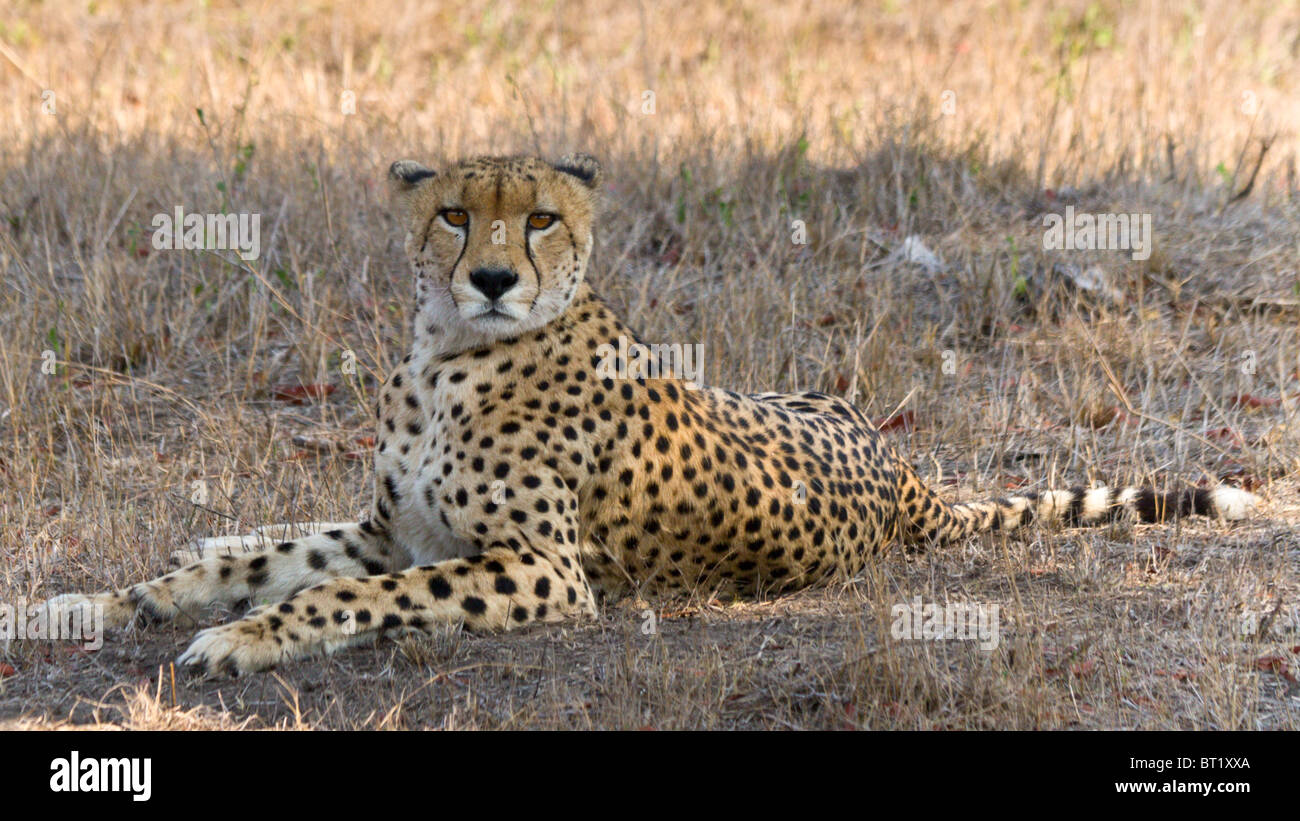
(439, 587)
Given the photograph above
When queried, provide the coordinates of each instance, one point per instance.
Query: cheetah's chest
(416, 471)
(417, 521)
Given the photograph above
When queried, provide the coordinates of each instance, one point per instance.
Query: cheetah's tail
(940, 521)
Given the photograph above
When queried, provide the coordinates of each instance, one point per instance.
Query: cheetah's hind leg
(357, 549)
(260, 538)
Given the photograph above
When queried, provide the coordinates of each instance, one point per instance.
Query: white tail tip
(1233, 503)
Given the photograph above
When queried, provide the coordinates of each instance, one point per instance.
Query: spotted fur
(516, 485)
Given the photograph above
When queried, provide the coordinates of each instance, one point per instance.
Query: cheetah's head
(498, 245)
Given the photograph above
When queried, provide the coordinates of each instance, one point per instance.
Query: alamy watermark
(73, 773)
(1279, 621)
(39, 622)
(208, 232)
(1098, 232)
(637, 360)
(960, 621)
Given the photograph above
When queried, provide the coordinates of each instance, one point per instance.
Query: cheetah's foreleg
(497, 590)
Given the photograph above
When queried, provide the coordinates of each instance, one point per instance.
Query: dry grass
(762, 115)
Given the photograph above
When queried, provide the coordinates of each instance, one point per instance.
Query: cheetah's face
(498, 245)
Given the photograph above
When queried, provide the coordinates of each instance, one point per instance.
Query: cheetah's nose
(493, 282)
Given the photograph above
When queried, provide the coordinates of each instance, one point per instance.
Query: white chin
(492, 317)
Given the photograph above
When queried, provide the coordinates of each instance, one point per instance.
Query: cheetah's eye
(455, 217)
(540, 221)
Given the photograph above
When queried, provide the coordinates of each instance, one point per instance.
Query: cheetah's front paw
(244, 646)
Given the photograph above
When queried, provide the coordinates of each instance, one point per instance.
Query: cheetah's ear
(582, 166)
(405, 175)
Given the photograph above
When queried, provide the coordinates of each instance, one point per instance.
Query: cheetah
(515, 484)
